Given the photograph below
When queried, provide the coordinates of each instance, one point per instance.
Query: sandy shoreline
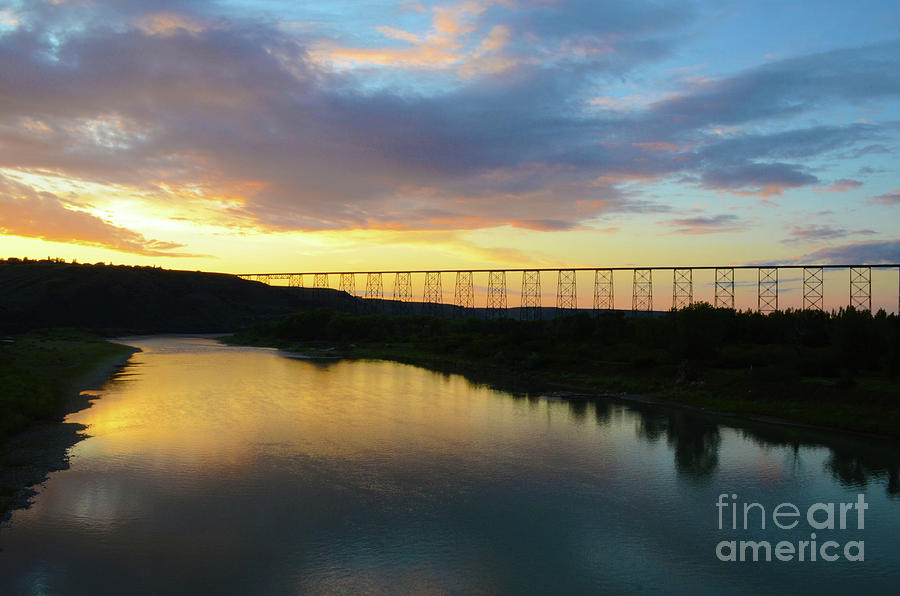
(27, 458)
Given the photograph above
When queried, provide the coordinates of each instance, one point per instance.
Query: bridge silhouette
(859, 284)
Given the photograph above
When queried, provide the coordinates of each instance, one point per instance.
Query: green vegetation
(39, 371)
(119, 300)
(838, 370)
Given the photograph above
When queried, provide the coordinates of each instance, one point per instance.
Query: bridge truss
(768, 281)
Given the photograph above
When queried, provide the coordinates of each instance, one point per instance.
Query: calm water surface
(222, 470)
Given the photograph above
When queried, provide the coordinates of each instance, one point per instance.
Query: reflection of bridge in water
(859, 284)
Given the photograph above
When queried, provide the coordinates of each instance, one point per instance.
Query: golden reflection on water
(233, 414)
(240, 470)
(221, 409)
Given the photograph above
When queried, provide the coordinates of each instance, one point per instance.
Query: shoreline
(574, 391)
(28, 457)
(77, 394)
(833, 371)
(738, 420)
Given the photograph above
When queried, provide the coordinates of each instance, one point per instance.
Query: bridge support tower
(603, 290)
(566, 300)
(642, 290)
(496, 294)
(861, 288)
(682, 288)
(531, 296)
(724, 294)
(348, 283)
(402, 291)
(374, 292)
(464, 292)
(767, 289)
(813, 288)
(432, 293)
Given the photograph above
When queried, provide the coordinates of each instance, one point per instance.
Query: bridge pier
(724, 295)
(642, 290)
(432, 293)
(403, 286)
(348, 283)
(464, 292)
(682, 288)
(603, 290)
(861, 288)
(402, 291)
(813, 286)
(767, 289)
(531, 296)
(296, 280)
(320, 280)
(496, 294)
(374, 286)
(374, 291)
(566, 300)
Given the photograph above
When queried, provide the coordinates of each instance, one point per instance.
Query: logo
(840, 520)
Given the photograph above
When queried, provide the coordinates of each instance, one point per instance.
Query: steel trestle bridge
(859, 284)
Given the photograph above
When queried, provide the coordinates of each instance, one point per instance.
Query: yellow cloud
(168, 23)
(395, 33)
(37, 214)
(444, 45)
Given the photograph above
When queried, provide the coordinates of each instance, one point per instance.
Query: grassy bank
(39, 372)
(836, 370)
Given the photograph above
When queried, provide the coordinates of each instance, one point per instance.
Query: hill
(115, 299)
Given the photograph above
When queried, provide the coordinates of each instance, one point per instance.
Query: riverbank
(44, 376)
(802, 383)
(719, 397)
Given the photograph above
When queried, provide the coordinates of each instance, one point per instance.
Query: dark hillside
(120, 299)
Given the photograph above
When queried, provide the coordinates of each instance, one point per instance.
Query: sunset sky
(274, 135)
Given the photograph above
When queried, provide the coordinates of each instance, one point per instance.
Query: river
(229, 470)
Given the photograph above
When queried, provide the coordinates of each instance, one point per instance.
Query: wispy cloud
(764, 180)
(843, 185)
(450, 42)
(714, 224)
(819, 233)
(861, 253)
(890, 198)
